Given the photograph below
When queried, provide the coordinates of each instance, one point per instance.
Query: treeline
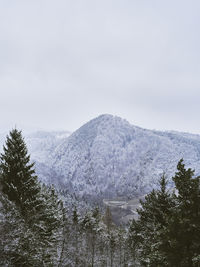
(31, 213)
(167, 232)
(92, 240)
(37, 229)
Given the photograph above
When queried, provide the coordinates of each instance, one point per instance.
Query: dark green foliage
(36, 230)
(11, 232)
(147, 235)
(32, 213)
(187, 234)
(167, 232)
(18, 178)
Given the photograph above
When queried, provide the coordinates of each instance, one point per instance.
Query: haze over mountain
(108, 157)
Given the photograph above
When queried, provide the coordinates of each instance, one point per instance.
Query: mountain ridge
(108, 157)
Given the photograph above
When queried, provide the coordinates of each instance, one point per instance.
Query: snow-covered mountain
(108, 157)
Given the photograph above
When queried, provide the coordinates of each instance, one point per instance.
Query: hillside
(110, 158)
(107, 157)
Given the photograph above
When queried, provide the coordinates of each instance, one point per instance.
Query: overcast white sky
(65, 62)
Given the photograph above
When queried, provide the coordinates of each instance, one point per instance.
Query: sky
(64, 62)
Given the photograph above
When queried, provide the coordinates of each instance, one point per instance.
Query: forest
(39, 226)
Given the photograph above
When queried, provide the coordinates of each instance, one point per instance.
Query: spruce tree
(12, 230)
(167, 232)
(38, 207)
(147, 236)
(187, 217)
(17, 175)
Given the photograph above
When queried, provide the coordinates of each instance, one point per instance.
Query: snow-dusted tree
(36, 207)
(185, 228)
(11, 232)
(50, 226)
(92, 230)
(122, 247)
(167, 232)
(75, 240)
(18, 179)
(147, 236)
(108, 219)
(64, 239)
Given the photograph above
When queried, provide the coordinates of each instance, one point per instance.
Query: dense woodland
(39, 228)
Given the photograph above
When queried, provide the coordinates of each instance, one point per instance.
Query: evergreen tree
(108, 219)
(17, 175)
(167, 232)
(186, 231)
(147, 236)
(12, 230)
(37, 207)
(91, 227)
(49, 224)
(76, 239)
(122, 248)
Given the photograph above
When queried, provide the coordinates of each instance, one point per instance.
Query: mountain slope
(108, 157)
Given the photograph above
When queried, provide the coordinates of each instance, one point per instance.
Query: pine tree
(76, 238)
(91, 227)
(37, 207)
(122, 248)
(17, 175)
(50, 226)
(108, 218)
(12, 230)
(147, 236)
(167, 232)
(187, 232)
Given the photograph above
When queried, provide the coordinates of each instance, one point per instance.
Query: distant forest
(39, 227)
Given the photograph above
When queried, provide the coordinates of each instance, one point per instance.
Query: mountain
(109, 158)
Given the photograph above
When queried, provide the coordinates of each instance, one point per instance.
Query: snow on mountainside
(108, 157)
(41, 145)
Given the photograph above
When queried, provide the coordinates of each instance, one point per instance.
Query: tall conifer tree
(147, 236)
(38, 206)
(187, 234)
(18, 178)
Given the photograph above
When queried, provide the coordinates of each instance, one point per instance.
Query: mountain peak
(105, 118)
(109, 157)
